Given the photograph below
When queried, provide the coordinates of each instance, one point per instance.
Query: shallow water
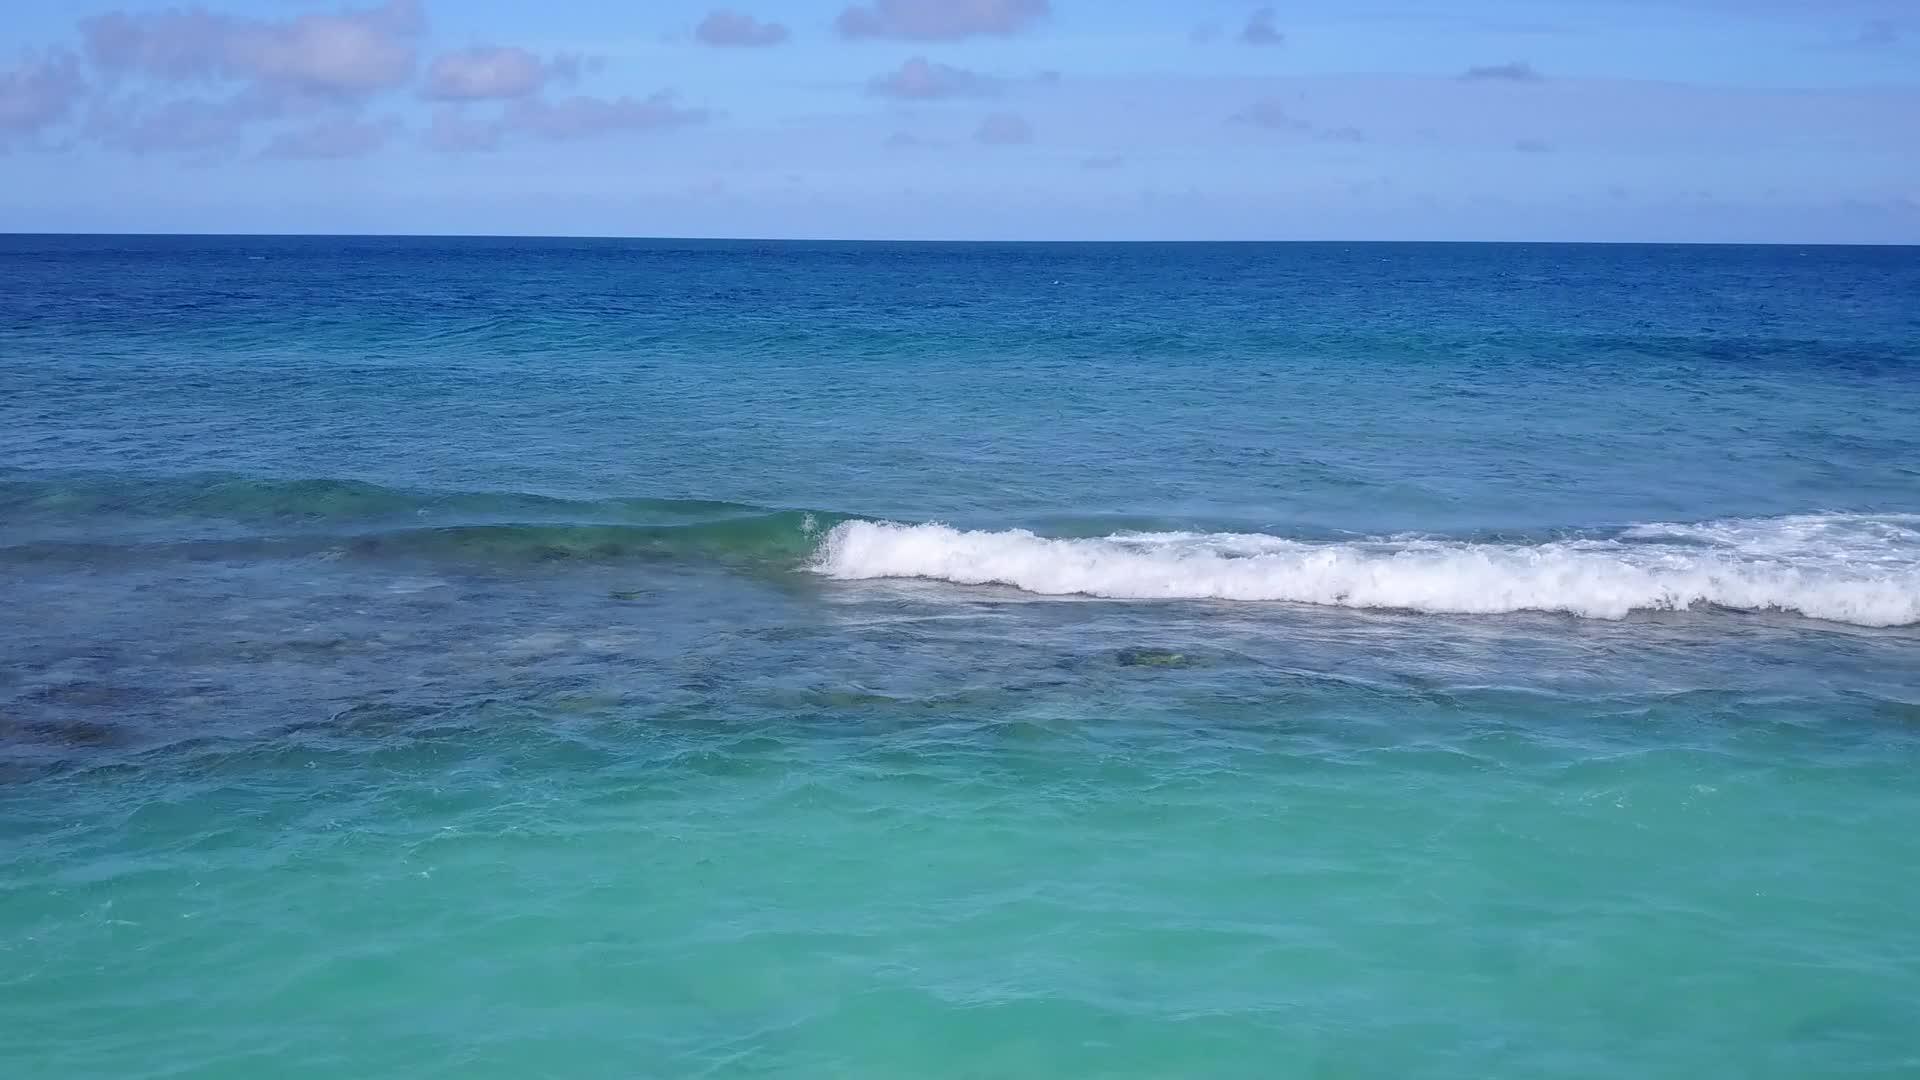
(493, 658)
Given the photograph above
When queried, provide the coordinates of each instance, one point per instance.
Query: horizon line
(6, 234)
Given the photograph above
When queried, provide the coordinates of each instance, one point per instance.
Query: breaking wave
(1853, 568)
(1860, 569)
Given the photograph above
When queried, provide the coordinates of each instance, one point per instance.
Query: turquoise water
(566, 658)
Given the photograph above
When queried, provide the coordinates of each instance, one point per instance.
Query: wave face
(93, 497)
(1854, 568)
(101, 518)
(1857, 569)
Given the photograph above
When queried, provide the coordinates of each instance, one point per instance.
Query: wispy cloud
(455, 131)
(921, 79)
(1878, 34)
(41, 91)
(564, 120)
(1515, 71)
(726, 28)
(1271, 115)
(493, 72)
(340, 137)
(1003, 129)
(586, 117)
(939, 20)
(1260, 29)
(205, 128)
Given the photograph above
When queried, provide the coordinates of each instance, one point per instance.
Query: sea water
(512, 658)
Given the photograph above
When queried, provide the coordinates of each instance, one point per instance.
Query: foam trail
(1844, 568)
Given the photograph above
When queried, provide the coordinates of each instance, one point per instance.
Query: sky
(1790, 121)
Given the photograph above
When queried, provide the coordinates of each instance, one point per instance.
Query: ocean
(590, 658)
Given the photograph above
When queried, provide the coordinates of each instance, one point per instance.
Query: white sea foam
(1845, 568)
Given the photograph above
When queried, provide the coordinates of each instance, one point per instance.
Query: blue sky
(1695, 120)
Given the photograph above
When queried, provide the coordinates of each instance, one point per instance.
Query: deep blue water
(487, 656)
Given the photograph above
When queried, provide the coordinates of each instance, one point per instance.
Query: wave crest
(1845, 568)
